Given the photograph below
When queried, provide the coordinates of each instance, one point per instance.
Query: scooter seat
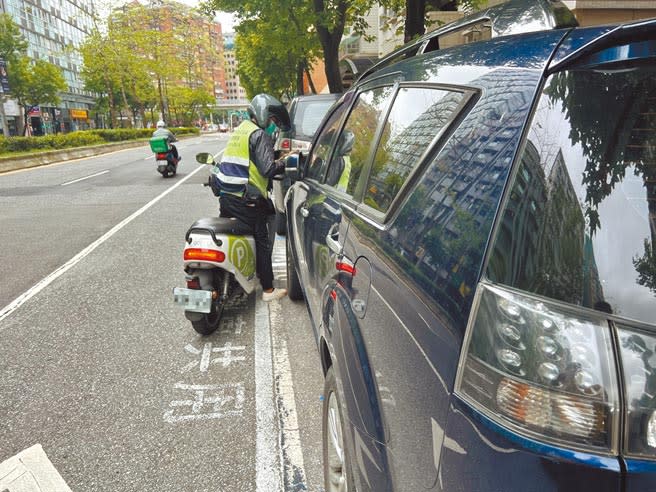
(220, 225)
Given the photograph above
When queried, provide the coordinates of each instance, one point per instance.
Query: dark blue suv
(474, 232)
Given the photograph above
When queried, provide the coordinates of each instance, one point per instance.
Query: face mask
(271, 129)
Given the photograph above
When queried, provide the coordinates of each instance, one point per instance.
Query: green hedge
(10, 145)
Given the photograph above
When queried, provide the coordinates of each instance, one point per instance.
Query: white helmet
(161, 124)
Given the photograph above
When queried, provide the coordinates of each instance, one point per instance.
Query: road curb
(25, 161)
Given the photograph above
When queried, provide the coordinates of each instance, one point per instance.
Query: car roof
(513, 17)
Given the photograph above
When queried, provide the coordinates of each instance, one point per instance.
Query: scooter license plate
(199, 301)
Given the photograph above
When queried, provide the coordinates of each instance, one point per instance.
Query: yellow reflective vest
(236, 170)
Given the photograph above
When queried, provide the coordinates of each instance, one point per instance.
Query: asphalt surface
(99, 367)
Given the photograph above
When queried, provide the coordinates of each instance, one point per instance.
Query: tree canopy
(276, 43)
(278, 34)
(146, 60)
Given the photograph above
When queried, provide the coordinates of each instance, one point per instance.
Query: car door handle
(304, 212)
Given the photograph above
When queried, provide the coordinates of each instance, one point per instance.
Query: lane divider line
(291, 449)
(42, 284)
(86, 177)
(267, 468)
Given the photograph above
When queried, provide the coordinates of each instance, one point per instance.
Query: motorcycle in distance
(219, 264)
(167, 164)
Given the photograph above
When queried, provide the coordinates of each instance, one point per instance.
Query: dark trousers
(255, 216)
(174, 151)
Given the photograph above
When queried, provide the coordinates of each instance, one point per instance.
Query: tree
(275, 43)
(187, 104)
(415, 22)
(98, 73)
(304, 23)
(35, 82)
(147, 58)
(12, 47)
(613, 140)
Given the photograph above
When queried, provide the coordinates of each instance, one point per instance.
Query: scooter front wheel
(208, 323)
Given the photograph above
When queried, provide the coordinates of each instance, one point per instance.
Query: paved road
(101, 370)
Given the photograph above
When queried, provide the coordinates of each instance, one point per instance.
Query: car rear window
(579, 224)
(308, 116)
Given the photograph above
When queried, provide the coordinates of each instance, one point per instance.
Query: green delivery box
(159, 144)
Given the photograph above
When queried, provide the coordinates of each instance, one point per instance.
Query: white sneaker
(274, 294)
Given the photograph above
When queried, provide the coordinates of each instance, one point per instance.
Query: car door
(343, 184)
(312, 214)
(393, 382)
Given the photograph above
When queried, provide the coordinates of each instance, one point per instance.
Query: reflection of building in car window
(418, 115)
(580, 223)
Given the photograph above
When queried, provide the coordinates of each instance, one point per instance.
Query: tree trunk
(330, 43)
(27, 130)
(300, 89)
(5, 125)
(414, 19)
(110, 101)
(127, 107)
(161, 97)
(331, 58)
(310, 82)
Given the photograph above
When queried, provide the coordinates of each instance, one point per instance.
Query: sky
(227, 20)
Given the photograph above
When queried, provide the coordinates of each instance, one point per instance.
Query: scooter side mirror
(205, 158)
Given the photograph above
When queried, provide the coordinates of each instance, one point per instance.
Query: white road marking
(209, 401)
(31, 471)
(86, 177)
(294, 477)
(27, 295)
(267, 475)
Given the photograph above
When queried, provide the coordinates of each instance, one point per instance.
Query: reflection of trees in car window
(622, 136)
(580, 225)
(417, 117)
(362, 123)
(324, 143)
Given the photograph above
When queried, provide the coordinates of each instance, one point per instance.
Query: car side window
(324, 143)
(417, 117)
(354, 146)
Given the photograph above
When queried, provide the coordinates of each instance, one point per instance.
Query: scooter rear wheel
(209, 322)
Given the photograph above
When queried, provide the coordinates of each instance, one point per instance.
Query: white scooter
(219, 262)
(219, 257)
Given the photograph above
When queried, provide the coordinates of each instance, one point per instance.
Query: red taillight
(202, 254)
(285, 144)
(345, 267)
(193, 283)
(161, 155)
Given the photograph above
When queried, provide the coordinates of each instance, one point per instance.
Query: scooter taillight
(161, 156)
(202, 254)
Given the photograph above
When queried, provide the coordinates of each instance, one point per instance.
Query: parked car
(306, 113)
(223, 128)
(474, 234)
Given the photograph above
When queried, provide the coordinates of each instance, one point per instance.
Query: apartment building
(54, 30)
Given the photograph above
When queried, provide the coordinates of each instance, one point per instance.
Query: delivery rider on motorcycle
(164, 132)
